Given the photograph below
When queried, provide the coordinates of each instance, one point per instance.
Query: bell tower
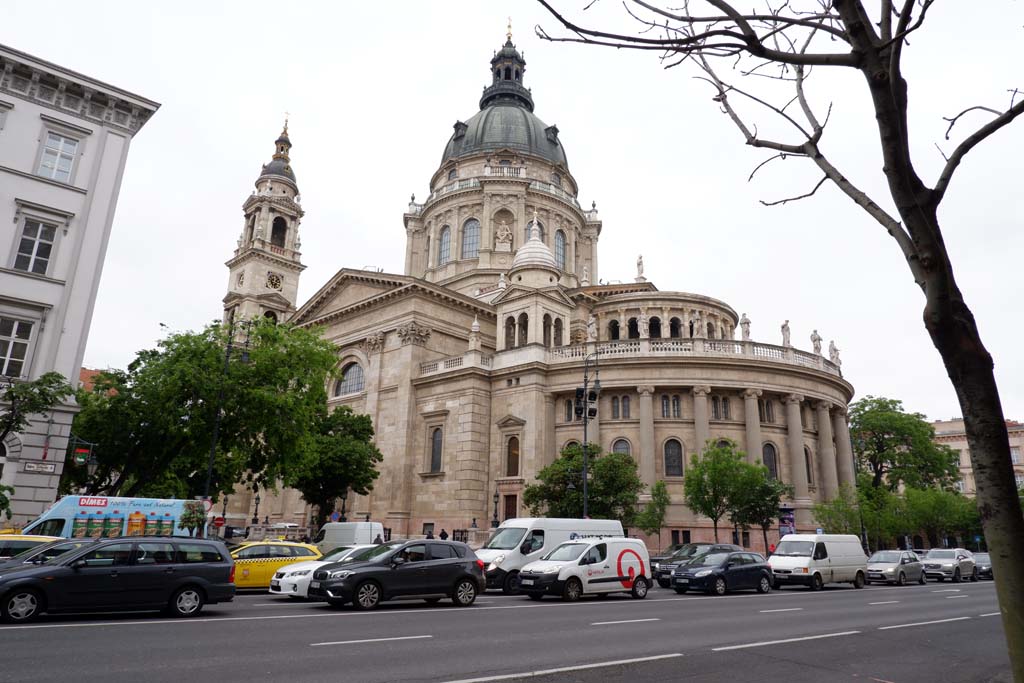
(263, 277)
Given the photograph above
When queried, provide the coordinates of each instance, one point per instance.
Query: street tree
(898, 448)
(935, 512)
(5, 500)
(22, 400)
(757, 499)
(839, 515)
(652, 518)
(613, 488)
(711, 482)
(773, 52)
(153, 422)
(342, 457)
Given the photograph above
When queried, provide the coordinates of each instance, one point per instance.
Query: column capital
(839, 410)
(823, 405)
(645, 390)
(701, 390)
(793, 398)
(751, 393)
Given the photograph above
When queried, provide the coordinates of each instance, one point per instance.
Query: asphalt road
(935, 633)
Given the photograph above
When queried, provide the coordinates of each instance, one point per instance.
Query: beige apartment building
(951, 433)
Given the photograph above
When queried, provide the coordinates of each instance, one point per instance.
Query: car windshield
(795, 548)
(885, 556)
(941, 554)
(362, 554)
(336, 554)
(708, 560)
(55, 554)
(567, 552)
(375, 553)
(689, 550)
(506, 539)
(982, 558)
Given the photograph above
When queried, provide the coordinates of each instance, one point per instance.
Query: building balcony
(504, 171)
(454, 186)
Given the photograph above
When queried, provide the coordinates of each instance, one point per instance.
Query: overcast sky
(373, 89)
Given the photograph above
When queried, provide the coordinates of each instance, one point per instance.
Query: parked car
(293, 579)
(895, 566)
(663, 555)
(258, 561)
(720, 572)
(983, 561)
(15, 544)
(662, 569)
(176, 575)
(43, 552)
(335, 534)
(955, 564)
(813, 560)
(589, 566)
(423, 569)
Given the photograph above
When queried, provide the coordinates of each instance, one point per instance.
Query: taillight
(231, 576)
(480, 563)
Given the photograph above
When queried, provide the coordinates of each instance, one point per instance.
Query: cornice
(259, 255)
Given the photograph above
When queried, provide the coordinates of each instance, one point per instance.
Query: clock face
(274, 281)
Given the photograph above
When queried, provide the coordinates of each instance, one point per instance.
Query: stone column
(797, 466)
(753, 425)
(549, 454)
(826, 452)
(647, 455)
(844, 449)
(700, 416)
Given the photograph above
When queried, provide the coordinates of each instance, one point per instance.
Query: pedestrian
(430, 533)
(771, 549)
(443, 535)
(378, 540)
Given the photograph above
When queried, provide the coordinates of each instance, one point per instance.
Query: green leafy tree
(21, 400)
(711, 481)
(612, 492)
(897, 447)
(342, 457)
(934, 511)
(652, 518)
(153, 423)
(5, 500)
(193, 517)
(839, 515)
(759, 498)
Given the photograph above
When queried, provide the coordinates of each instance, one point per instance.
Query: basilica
(469, 360)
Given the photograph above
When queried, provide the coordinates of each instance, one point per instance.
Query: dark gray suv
(176, 575)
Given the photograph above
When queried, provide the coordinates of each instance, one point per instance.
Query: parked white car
(293, 579)
(813, 560)
(589, 565)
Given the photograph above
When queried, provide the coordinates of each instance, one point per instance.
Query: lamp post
(247, 324)
(256, 512)
(224, 508)
(587, 406)
(344, 498)
(494, 522)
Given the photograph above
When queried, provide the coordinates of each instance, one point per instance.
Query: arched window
(271, 316)
(676, 411)
(655, 328)
(716, 409)
(673, 458)
(634, 329)
(510, 332)
(471, 239)
(278, 231)
(725, 408)
(620, 446)
(571, 444)
(691, 330)
(615, 407)
(512, 457)
(664, 406)
(540, 231)
(723, 443)
(808, 461)
(613, 330)
(547, 330)
(556, 179)
(560, 249)
(568, 411)
(436, 444)
(508, 73)
(675, 328)
(558, 332)
(351, 380)
(453, 174)
(625, 407)
(523, 328)
(711, 330)
(517, 74)
(770, 458)
(444, 249)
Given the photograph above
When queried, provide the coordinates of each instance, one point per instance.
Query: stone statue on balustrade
(833, 353)
(592, 327)
(640, 268)
(642, 325)
(745, 326)
(785, 334)
(816, 342)
(585, 280)
(698, 327)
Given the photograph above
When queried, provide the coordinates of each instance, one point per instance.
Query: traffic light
(578, 405)
(591, 404)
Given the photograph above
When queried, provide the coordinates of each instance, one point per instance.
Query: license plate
(275, 584)
(314, 584)
(682, 581)
(526, 582)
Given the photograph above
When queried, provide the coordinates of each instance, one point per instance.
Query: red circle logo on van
(626, 583)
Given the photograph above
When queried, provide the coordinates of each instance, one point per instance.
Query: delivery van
(813, 560)
(336, 534)
(110, 517)
(589, 566)
(520, 541)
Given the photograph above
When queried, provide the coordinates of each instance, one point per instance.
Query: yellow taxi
(256, 562)
(15, 544)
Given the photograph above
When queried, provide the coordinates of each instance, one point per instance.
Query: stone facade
(952, 434)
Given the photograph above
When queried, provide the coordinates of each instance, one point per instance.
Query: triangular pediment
(514, 293)
(510, 421)
(346, 288)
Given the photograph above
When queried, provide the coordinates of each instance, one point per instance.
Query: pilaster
(700, 416)
(752, 422)
(647, 455)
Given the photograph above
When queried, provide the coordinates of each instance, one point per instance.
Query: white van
(335, 534)
(586, 566)
(816, 559)
(520, 541)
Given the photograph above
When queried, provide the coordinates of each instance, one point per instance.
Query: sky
(373, 89)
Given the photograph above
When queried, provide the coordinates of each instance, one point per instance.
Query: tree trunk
(714, 523)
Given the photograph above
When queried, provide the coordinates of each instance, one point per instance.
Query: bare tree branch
(969, 143)
(798, 197)
(954, 119)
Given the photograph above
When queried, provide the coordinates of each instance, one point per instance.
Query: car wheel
(719, 587)
(923, 579)
(640, 588)
(956, 575)
(366, 596)
(431, 601)
(901, 579)
(536, 596)
(764, 585)
(816, 583)
(858, 581)
(21, 605)
(664, 583)
(510, 586)
(465, 593)
(974, 574)
(186, 602)
(573, 590)
(680, 590)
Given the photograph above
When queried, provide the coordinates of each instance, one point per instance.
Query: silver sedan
(895, 566)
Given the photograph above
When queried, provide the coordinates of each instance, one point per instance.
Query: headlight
(657, 565)
(947, 565)
(339, 574)
(301, 573)
(552, 570)
(890, 570)
(702, 572)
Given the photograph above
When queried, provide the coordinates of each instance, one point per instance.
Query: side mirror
(78, 564)
(397, 561)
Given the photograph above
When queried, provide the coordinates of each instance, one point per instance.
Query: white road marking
(786, 640)
(788, 609)
(273, 604)
(948, 590)
(954, 597)
(581, 667)
(626, 621)
(990, 614)
(886, 602)
(369, 640)
(923, 623)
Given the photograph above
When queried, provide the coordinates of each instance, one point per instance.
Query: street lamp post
(256, 512)
(494, 522)
(344, 498)
(586, 407)
(247, 324)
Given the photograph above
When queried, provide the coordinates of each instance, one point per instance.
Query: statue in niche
(504, 233)
(698, 326)
(586, 275)
(592, 327)
(785, 334)
(745, 326)
(816, 342)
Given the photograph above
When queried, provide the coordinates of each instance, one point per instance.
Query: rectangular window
(14, 340)
(154, 553)
(36, 247)
(428, 528)
(676, 412)
(675, 537)
(198, 552)
(1015, 454)
(725, 409)
(58, 158)
(664, 406)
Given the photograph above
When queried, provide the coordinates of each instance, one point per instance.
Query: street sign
(977, 539)
(820, 530)
(335, 516)
(218, 522)
(207, 503)
(81, 455)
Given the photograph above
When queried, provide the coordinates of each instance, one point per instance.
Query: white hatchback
(293, 579)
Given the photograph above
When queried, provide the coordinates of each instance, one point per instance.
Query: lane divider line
(564, 669)
(954, 597)
(369, 640)
(948, 590)
(785, 640)
(788, 609)
(923, 623)
(885, 602)
(626, 621)
(991, 614)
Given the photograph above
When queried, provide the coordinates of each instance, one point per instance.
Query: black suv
(402, 569)
(662, 569)
(138, 573)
